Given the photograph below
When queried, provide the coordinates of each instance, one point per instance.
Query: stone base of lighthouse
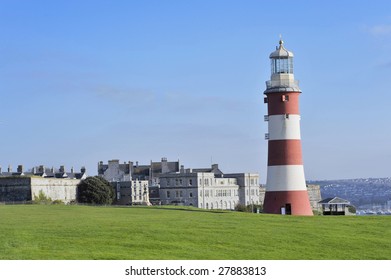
(292, 202)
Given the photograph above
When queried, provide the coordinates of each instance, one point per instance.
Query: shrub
(249, 208)
(351, 209)
(58, 201)
(95, 190)
(42, 198)
(317, 213)
(240, 208)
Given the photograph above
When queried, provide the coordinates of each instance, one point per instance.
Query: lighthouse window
(282, 65)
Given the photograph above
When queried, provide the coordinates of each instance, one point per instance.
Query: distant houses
(45, 172)
(156, 183)
(169, 183)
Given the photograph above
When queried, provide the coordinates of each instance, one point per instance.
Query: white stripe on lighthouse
(285, 178)
(283, 127)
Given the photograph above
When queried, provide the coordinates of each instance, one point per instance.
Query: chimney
(1, 170)
(182, 169)
(41, 169)
(83, 170)
(9, 168)
(20, 168)
(62, 169)
(72, 170)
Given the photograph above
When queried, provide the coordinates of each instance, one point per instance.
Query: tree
(95, 190)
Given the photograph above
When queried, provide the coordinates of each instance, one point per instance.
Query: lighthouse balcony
(282, 86)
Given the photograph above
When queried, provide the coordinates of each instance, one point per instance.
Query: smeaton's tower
(286, 191)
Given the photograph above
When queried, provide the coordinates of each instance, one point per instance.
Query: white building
(133, 192)
(209, 188)
(136, 184)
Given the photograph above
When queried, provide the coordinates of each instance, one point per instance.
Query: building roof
(334, 200)
(213, 169)
(45, 172)
(125, 167)
(281, 52)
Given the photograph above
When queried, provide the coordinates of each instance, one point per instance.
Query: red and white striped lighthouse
(286, 191)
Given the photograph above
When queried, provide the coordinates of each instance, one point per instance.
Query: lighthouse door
(288, 209)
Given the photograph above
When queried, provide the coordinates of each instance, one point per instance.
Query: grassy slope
(81, 232)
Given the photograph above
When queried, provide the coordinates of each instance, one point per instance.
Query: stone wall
(55, 189)
(315, 196)
(19, 189)
(15, 189)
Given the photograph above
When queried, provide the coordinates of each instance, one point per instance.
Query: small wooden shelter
(334, 206)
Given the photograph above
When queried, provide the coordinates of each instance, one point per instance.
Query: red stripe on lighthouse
(283, 103)
(298, 201)
(284, 152)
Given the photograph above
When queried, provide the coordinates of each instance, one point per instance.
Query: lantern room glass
(282, 65)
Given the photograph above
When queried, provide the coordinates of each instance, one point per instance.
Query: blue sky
(84, 81)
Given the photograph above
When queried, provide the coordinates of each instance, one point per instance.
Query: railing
(282, 83)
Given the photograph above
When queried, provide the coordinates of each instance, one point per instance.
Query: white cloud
(380, 30)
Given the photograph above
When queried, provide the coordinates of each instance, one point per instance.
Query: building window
(190, 182)
(190, 194)
(168, 194)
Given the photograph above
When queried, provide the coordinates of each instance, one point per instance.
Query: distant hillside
(359, 192)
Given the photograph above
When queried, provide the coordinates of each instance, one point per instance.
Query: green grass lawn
(45, 232)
